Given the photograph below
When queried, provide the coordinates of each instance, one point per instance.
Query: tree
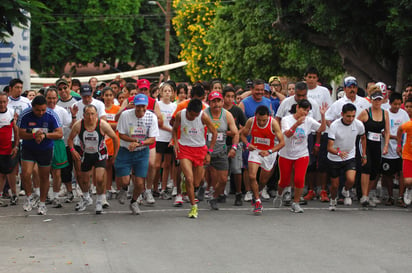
(83, 32)
(192, 21)
(244, 40)
(372, 38)
(16, 13)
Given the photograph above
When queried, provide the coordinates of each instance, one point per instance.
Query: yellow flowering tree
(192, 21)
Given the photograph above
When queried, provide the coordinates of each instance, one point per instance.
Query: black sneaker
(48, 201)
(221, 198)
(155, 194)
(302, 201)
(201, 193)
(13, 200)
(238, 200)
(213, 204)
(69, 198)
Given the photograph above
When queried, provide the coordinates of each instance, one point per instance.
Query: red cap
(215, 95)
(143, 83)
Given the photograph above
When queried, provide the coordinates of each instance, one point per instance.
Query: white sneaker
(186, 198)
(332, 204)
(277, 201)
(149, 198)
(22, 193)
(174, 191)
(169, 184)
(248, 196)
(364, 201)
(42, 210)
(27, 205)
(99, 207)
(122, 196)
(178, 201)
(296, 208)
(373, 197)
(164, 194)
(93, 190)
(56, 203)
(264, 193)
(134, 207)
(407, 196)
(84, 203)
(63, 191)
(346, 194)
(140, 199)
(35, 201)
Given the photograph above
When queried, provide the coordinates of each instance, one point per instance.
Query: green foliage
(82, 32)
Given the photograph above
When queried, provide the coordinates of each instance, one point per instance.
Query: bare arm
(234, 134)
(211, 129)
(107, 130)
(73, 133)
(176, 126)
(387, 133)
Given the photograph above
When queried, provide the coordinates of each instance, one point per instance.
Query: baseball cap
(377, 95)
(140, 99)
(61, 81)
(143, 83)
(348, 81)
(382, 87)
(273, 78)
(267, 88)
(215, 95)
(85, 90)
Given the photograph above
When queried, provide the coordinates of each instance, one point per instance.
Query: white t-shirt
(395, 120)
(345, 138)
(19, 104)
(65, 119)
(101, 109)
(167, 111)
(296, 146)
(335, 110)
(137, 128)
(386, 106)
(287, 103)
(321, 95)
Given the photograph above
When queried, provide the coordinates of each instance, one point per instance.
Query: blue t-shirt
(251, 105)
(47, 123)
(275, 104)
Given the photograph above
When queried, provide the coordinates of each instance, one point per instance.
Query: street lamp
(167, 30)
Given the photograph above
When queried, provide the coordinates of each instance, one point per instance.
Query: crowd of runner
(137, 141)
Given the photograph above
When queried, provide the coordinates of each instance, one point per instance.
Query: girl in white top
(296, 128)
(164, 148)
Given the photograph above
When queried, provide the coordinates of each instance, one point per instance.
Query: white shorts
(265, 162)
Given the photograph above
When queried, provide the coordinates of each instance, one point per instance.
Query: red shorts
(407, 168)
(153, 145)
(195, 154)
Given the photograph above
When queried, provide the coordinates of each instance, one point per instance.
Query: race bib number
(192, 132)
(374, 136)
(263, 141)
(137, 132)
(110, 117)
(220, 137)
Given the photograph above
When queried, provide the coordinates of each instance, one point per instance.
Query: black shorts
(373, 165)
(7, 163)
(337, 168)
(92, 160)
(42, 158)
(163, 148)
(391, 166)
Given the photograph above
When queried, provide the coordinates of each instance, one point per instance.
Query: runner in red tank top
(263, 129)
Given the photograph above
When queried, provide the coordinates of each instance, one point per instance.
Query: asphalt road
(163, 239)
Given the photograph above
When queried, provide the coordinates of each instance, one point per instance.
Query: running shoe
(164, 195)
(63, 191)
(106, 204)
(69, 197)
(140, 199)
(373, 197)
(221, 198)
(193, 212)
(407, 196)
(84, 203)
(149, 198)
(389, 201)
(258, 208)
(324, 196)
(248, 196)
(14, 199)
(302, 201)
(310, 195)
(364, 201)
(264, 193)
(287, 198)
(27, 205)
(174, 191)
(347, 201)
(134, 207)
(238, 199)
(201, 193)
(99, 207)
(42, 210)
(332, 204)
(56, 203)
(122, 196)
(296, 208)
(3, 204)
(213, 204)
(186, 198)
(400, 203)
(35, 201)
(178, 201)
(277, 201)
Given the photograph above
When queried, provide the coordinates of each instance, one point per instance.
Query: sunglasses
(62, 88)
